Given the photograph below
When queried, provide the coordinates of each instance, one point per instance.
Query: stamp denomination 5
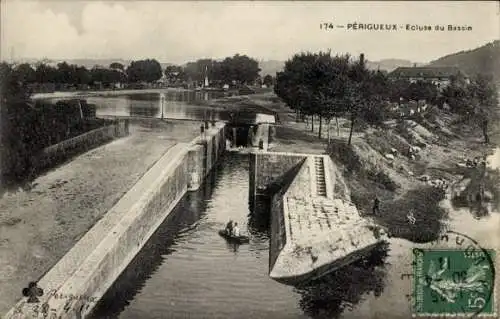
(454, 281)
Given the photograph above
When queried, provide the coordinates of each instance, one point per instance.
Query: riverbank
(378, 164)
(264, 103)
(40, 224)
(83, 94)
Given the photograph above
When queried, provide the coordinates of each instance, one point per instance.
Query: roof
(427, 72)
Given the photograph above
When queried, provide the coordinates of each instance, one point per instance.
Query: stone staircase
(320, 176)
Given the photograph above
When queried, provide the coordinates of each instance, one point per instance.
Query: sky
(178, 32)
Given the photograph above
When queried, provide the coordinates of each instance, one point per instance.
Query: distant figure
(236, 230)
(376, 208)
(229, 227)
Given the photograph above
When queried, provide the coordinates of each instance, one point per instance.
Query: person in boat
(229, 227)
(236, 230)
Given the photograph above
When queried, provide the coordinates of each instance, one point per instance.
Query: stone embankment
(313, 230)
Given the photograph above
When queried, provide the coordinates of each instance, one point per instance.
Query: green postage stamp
(453, 282)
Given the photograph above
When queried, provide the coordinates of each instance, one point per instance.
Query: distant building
(439, 76)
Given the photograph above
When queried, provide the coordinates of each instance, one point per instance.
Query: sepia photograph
(249, 159)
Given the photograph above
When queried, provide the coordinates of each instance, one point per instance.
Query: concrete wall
(81, 142)
(266, 167)
(204, 154)
(96, 261)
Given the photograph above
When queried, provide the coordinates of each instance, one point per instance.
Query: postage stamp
(454, 282)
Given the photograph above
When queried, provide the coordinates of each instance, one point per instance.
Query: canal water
(176, 105)
(186, 270)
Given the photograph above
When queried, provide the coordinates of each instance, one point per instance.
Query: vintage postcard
(249, 159)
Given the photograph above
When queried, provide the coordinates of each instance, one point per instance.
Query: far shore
(75, 94)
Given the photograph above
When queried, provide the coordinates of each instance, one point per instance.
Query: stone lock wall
(204, 154)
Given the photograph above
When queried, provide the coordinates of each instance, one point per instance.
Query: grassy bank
(406, 186)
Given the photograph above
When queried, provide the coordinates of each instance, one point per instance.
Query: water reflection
(176, 105)
(180, 222)
(259, 220)
(478, 191)
(330, 295)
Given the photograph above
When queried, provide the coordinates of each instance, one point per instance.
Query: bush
(381, 178)
(424, 205)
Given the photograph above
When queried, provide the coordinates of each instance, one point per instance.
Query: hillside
(483, 60)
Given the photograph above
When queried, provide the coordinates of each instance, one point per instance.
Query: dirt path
(37, 227)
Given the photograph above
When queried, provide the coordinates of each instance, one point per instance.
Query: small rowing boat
(239, 239)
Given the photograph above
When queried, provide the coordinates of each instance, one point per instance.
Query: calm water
(187, 270)
(176, 105)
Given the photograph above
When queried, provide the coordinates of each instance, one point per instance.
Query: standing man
(376, 208)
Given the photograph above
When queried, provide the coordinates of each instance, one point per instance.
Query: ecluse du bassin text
(396, 27)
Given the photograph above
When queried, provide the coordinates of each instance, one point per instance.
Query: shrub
(383, 179)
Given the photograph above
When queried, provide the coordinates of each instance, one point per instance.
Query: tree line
(327, 86)
(238, 69)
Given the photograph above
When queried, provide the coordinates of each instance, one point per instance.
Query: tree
(197, 71)
(314, 84)
(174, 73)
(366, 93)
(398, 90)
(13, 89)
(45, 74)
(291, 85)
(483, 95)
(457, 97)
(83, 76)
(422, 90)
(239, 68)
(144, 71)
(107, 76)
(66, 73)
(268, 80)
(16, 112)
(25, 73)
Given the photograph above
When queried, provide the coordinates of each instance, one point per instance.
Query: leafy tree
(483, 95)
(82, 75)
(13, 89)
(457, 97)
(268, 80)
(45, 74)
(107, 76)
(15, 113)
(66, 74)
(239, 68)
(144, 71)
(291, 85)
(197, 71)
(366, 93)
(398, 90)
(116, 65)
(174, 73)
(25, 73)
(422, 90)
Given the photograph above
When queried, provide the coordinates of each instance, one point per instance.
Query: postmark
(454, 277)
